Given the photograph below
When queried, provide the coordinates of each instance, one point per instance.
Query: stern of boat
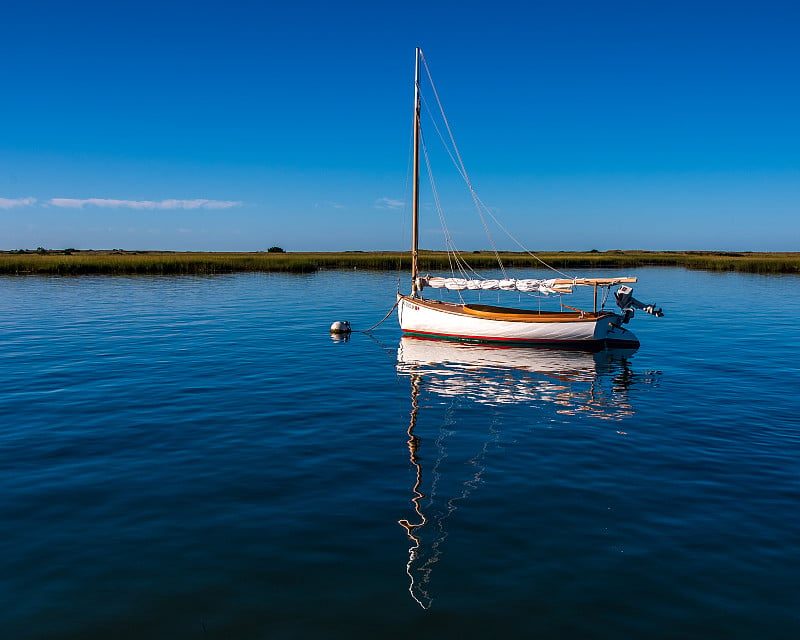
(616, 336)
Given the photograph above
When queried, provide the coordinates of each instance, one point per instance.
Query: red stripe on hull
(589, 345)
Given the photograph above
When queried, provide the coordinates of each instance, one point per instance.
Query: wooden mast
(415, 187)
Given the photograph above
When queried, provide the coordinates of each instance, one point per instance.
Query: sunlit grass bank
(73, 262)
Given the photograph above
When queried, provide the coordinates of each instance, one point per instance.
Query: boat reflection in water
(571, 379)
(449, 375)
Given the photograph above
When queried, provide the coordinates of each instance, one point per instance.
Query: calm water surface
(197, 458)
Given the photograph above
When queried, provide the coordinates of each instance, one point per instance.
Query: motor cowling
(626, 302)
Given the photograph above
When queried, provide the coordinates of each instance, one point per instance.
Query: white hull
(493, 325)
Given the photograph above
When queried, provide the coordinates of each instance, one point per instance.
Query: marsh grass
(71, 262)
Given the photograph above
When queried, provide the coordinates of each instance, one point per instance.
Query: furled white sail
(528, 285)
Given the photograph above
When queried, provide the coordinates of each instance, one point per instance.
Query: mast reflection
(417, 592)
(571, 383)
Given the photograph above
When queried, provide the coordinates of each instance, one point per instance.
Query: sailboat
(487, 324)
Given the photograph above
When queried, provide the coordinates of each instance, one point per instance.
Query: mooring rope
(394, 306)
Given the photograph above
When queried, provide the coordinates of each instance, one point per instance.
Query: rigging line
(463, 167)
(480, 205)
(446, 147)
(522, 246)
(469, 270)
(445, 143)
(452, 252)
(447, 238)
(605, 296)
(464, 267)
(461, 170)
(454, 259)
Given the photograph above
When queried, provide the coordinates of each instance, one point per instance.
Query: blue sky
(228, 126)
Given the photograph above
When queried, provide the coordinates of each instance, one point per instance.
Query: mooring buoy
(340, 326)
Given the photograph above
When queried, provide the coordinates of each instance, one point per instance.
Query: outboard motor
(626, 302)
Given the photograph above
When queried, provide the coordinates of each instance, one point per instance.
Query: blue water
(197, 458)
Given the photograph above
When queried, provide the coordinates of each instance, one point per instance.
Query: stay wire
(481, 207)
(463, 169)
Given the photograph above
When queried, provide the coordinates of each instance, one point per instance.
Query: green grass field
(71, 262)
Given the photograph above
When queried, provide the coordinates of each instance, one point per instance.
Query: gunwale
(508, 314)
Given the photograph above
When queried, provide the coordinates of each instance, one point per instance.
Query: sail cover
(528, 285)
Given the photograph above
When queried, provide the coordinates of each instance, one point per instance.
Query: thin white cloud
(389, 203)
(9, 203)
(199, 203)
(329, 205)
